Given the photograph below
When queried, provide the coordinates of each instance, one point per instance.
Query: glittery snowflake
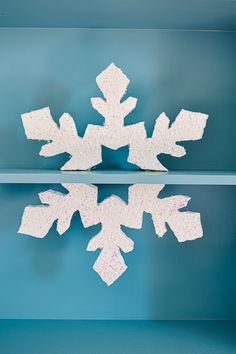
(111, 213)
(86, 152)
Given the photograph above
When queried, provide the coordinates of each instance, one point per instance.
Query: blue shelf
(119, 177)
(116, 337)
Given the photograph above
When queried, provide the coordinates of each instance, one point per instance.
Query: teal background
(181, 14)
(169, 70)
(90, 337)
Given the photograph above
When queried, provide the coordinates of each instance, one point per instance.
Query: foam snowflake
(111, 213)
(86, 152)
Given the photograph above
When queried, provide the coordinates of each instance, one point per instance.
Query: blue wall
(182, 14)
(168, 71)
(53, 277)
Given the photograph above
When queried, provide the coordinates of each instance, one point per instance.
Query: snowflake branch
(41, 126)
(185, 225)
(187, 126)
(113, 84)
(110, 264)
(37, 220)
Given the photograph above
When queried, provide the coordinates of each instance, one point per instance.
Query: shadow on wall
(195, 279)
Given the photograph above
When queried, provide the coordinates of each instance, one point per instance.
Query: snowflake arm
(111, 240)
(40, 125)
(187, 126)
(110, 264)
(113, 84)
(37, 220)
(185, 225)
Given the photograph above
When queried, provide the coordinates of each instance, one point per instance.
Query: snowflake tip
(113, 83)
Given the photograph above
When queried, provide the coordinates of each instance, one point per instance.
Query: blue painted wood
(116, 337)
(119, 177)
(182, 14)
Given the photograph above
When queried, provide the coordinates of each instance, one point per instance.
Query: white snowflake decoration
(111, 213)
(86, 151)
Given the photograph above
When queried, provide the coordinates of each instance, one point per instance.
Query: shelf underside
(119, 177)
(116, 337)
(184, 14)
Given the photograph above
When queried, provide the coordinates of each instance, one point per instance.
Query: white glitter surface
(85, 152)
(111, 213)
